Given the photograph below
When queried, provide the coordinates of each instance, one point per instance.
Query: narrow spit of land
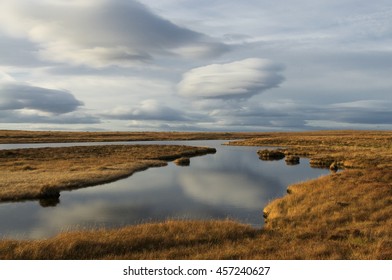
(345, 215)
(41, 173)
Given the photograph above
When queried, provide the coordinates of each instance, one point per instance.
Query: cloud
(291, 114)
(147, 110)
(16, 96)
(17, 52)
(153, 110)
(36, 117)
(102, 33)
(239, 79)
(164, 126)
(254, 115)
(6, 78)
(24, 103)
(362, 112)
(236, 38)
(206, 49)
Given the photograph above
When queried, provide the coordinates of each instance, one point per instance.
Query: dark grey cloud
(103, 33)
(367, 112)
(292, 115)
(361, 113)
(370, 61)
(363, 117)
(15, 96)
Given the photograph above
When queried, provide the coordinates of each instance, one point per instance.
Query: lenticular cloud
(102, 33)
(238, 79)
(16, 96)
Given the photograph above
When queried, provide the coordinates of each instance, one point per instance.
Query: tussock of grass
(270, 154)
(292, 160)
(44, 172)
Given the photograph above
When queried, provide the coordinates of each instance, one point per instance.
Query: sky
(195, 65)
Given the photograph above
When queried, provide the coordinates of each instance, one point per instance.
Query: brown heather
(345, 215)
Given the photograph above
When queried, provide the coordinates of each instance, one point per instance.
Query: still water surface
(233, 183)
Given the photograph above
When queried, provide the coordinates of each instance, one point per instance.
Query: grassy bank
(345, 215)
(43, 172)
(168, 240)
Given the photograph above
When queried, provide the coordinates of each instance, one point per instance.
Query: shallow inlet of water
(233, 183)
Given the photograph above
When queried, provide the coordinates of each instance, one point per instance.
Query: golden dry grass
(345, 215)
(43, 172)
(351, 210)
(20, 136)
(168, 240)
(349, 149)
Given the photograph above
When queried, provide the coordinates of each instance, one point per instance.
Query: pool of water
(233, 183)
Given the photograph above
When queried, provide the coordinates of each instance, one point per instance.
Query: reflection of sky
(231, 183)
(218, 188)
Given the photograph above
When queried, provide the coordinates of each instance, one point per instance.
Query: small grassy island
(344, 215)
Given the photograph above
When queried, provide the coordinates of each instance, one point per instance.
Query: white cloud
(206, 49)
(147, 110)
(154, 110)
(239, 79)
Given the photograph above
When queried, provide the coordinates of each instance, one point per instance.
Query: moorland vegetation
(344, 215)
